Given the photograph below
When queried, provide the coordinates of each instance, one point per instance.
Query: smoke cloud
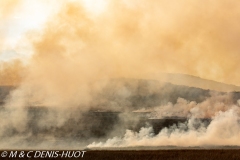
(183, 108)
(78, 54)
(7, 8)
(11, 72)
(223, 130)
(137, 40)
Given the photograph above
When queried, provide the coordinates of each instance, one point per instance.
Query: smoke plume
(223, 129)
(78, 55)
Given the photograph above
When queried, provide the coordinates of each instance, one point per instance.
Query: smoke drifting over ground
(81, 62)
(133, 105)
(205, 109)
(223, 130)
(210, 123)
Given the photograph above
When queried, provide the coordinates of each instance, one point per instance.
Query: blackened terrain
(181, 154)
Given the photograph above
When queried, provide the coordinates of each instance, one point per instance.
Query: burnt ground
(165, 155)
(179, 154)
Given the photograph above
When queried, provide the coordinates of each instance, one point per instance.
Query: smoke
(11, 72)
(7, 8)
(183, 108)
(77, 51)
(223, 130)
(77, 55)
(140, 39)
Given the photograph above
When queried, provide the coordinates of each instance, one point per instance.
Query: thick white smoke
(76, 55)
(183, 108)
(223, 130)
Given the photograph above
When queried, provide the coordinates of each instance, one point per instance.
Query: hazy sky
(190, 37)
(17, 18)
